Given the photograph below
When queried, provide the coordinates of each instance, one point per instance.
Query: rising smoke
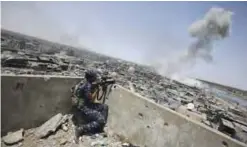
(214, 26)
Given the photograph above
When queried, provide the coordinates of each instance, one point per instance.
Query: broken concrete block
(125, 144)
(51, 125)
(13, 138)
(65, 119)
(116, 144)
(128, 145)
(63, 141)
(65, 127)
(99, 143)
(131, 87)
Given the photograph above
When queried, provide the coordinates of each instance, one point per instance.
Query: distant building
(30, 45)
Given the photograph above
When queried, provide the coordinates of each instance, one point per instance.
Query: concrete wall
(29, 101)
(146, 123)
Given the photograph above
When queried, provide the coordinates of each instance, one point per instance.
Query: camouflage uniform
(94, 114)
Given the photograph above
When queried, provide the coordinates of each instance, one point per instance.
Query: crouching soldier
(94, 114)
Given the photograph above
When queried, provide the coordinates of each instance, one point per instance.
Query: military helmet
(91, 75)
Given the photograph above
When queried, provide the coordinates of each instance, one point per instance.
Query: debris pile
(13, 137)
(201, 104)
(59, 131)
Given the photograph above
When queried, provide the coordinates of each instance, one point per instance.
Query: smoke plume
(214, 26)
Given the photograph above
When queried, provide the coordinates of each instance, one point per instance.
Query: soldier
(94, 114)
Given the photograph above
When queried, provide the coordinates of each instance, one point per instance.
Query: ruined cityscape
(219, 107)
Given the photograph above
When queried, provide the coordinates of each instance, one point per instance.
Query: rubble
(51, 125)
(99, 143)
(65, 127)
(63, 141)
(227, 127)
(131, 87)
(46, 58)
(13, 137)
(61, 138)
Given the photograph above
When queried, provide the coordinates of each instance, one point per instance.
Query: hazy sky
(136, 31)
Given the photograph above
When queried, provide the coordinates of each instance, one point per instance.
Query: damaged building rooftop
(42, 117)
(124, 75)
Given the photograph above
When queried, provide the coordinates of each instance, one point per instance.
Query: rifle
(104, 83)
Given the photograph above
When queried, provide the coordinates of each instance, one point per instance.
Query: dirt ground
(63, 138)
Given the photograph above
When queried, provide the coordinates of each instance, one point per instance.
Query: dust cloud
(214, 26)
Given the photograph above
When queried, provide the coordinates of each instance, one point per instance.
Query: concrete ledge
(146, 123)
(28, 101)
(40, 76)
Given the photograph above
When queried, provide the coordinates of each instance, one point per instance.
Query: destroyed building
(223, 115)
